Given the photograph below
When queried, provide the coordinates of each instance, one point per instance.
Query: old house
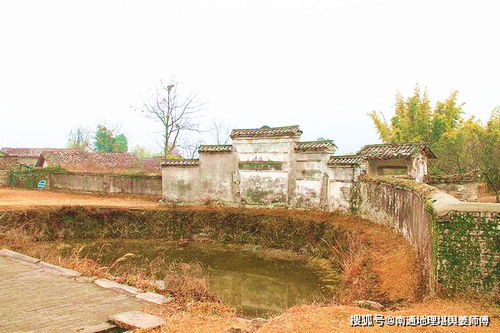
(85, 161)
(272, 166)
(28, 156)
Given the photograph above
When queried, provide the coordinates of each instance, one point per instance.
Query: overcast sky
(320, 64)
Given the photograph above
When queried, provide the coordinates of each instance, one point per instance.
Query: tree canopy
(106, 141)
(460, 145)
(416, 121)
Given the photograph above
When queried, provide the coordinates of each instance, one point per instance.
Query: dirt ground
(11, 199)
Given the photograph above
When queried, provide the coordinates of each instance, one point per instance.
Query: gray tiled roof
(266, 132)
(168, 163)
(326, 145)
(215, 148)
(345, 160)
(388, 151)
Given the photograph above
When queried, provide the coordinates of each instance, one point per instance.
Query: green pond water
(251, 279)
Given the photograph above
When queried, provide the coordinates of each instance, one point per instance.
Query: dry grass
(312, 318)
(357, 279)
(189, 281)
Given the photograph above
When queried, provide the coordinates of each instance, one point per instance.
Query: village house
(271, 166)
(28, 156)
(89, 161)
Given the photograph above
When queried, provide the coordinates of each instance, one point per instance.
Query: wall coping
(442, 202)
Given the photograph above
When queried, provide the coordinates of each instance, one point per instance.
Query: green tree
(471, 147)
(106, 141)
(415, 121)
(120, 144)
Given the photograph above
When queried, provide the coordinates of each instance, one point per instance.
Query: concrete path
(32, 300)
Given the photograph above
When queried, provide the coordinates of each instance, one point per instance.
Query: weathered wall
(465, 192)
(341, 179)
(181, 184)
(456, 242)
(264, 170)
(7, 162)
(263, 187)
(462, 186)
(404, 210)
(106, 183)
(216, 176)
(311, 180)
(467, 244)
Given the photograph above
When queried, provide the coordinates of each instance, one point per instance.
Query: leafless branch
(174, 112)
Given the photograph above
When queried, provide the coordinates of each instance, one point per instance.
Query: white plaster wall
(263, 187)
(273, 149)
(307, 193)
(181, 184)
(338, 195)
(419, 168)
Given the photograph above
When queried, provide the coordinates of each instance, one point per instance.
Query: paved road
(35, 301)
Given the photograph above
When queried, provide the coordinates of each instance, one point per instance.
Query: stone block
(369, 305)
(46, 267)
(18, 256)
(105, 283)
(154, 298)
(136, 319)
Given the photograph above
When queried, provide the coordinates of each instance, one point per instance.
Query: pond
(256, 281)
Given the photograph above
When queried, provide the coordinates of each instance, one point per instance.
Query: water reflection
(254, 284)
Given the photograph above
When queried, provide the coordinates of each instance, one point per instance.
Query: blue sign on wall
(41, 184)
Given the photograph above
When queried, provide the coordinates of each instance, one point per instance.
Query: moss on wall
(464, 251)
(29, 178)
(467, 245)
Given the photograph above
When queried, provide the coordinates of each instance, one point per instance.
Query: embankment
(456, 242)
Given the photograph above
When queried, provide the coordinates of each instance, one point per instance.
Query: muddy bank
(375, 262)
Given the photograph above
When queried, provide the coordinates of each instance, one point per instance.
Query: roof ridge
(315, 141)
(228, 144)
(348, 155)
(266, 128)
(395, 144)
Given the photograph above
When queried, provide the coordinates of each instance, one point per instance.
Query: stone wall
(465, 192)
(106, 183)
(404, 210)
(467, 243)
(462, 186)
(456, 242)
(7, 162)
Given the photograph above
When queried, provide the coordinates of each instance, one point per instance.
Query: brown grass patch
(313, 318)
(188, 281)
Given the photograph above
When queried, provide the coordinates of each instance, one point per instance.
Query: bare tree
(79, 139)
(176, 114)
(220, 132)
(189, 149)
